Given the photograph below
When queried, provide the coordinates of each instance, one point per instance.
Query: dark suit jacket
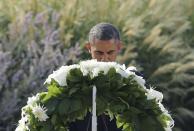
(103, 121)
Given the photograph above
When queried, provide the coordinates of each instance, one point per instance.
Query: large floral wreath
(120, 93)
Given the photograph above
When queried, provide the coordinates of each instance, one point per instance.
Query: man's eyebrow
(99, 51)
(103, 52)
(110, 51)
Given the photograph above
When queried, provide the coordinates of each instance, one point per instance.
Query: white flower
(168, 129)
(60, 75)
(162, 108)
(32, 100)
(24, 110)
(153, 94)
(105, 66)
(40, 112)
(121, 69)
(87, 66)
(131, 68)
(93, 67)
(170, 123)
(122, 72)
(130, 71)
(24, 119)
(21, 127)
(22, 124)
(95, 72)
(84, 70)
(140, 81)
(89, 63)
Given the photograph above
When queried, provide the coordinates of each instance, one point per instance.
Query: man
(104, 42)
(104, 45)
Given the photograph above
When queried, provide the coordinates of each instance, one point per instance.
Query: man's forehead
(104, 47)
(111, 41)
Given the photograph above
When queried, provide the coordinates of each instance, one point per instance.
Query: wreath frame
(120, 94)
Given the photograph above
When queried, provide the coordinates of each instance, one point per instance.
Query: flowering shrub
(26, 60)
(120, 93)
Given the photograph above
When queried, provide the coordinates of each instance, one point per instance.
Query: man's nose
(105, 58)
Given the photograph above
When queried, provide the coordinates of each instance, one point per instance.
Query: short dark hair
(103, 31)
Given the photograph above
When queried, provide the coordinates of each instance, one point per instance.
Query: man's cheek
(96, 56)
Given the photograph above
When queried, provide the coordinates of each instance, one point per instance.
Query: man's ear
(88, 47)
(119, 46)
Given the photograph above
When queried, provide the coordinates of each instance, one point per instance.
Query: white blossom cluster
(93, 67)
(60, 75)
(38, 111)
(158, 96)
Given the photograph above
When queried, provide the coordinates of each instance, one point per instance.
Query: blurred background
(39, 36)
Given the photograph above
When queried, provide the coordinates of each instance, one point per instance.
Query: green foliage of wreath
(117, 96)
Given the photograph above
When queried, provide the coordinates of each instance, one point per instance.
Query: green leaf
(46, 97)
(42, 95)
(74, 75)
(135, 110)
(149, 123)
(127, 127)
(82, 113)
(111, 72)
(102, 83)
(116, 107)
(72, 91)
(75, 105)
(101, 104)
(53, 90)
(111, 115)
(46, 126)
(51, 105)
(64, 106)
(119, 122)
(124, 101)
(54, 119)
(67, 106)
(163, 118)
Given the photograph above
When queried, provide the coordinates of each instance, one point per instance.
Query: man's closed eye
(111, 52)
